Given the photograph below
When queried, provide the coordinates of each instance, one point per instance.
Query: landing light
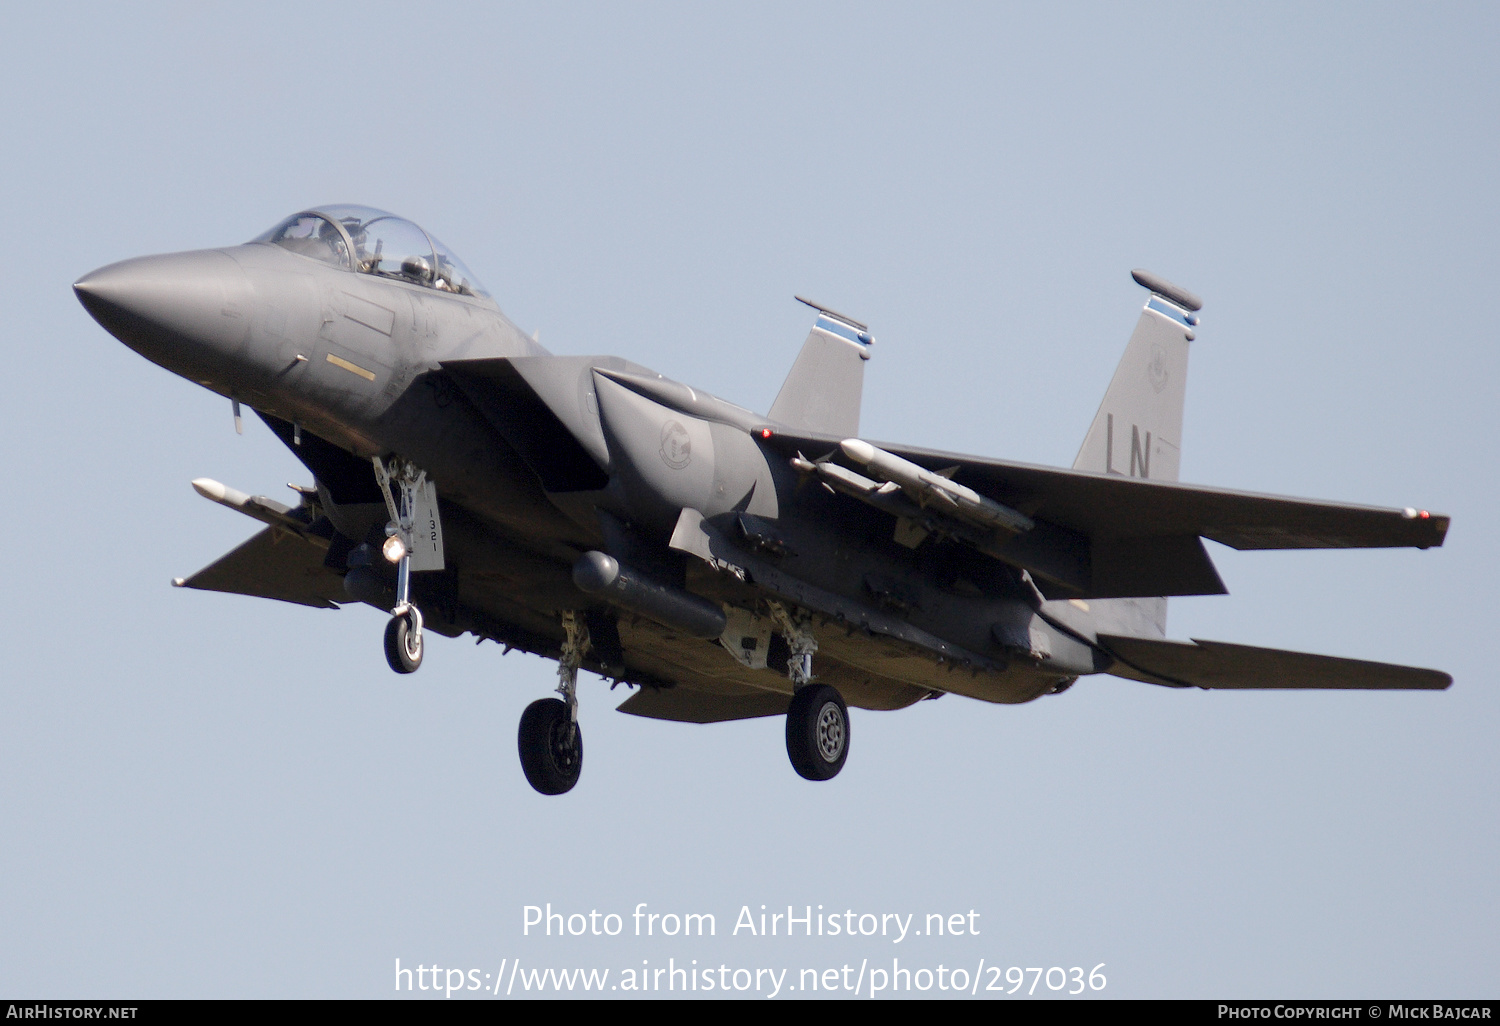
(393, 549)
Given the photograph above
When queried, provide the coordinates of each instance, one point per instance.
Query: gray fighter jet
(723, 563)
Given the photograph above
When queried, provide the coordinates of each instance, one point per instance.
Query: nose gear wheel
(403, 641)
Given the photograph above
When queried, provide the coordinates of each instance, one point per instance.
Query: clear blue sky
(207, 795)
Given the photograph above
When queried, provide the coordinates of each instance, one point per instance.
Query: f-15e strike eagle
(725, 563)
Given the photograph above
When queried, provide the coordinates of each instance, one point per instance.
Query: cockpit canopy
(372, 241)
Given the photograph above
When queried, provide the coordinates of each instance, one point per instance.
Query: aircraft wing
(1115, 506)
(1108, 535)
(274, 564)
(1216, 664)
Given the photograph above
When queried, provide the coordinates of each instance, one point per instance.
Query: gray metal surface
(689, 706)
(273, 564)
(1216, 664)
(682, 530)
(1162, 287)
(826, 384)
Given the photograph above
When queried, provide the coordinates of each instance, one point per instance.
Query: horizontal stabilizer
(274, 564)
(1215, 664)
(687, 705)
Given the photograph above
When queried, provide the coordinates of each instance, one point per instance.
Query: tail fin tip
(1159, 285)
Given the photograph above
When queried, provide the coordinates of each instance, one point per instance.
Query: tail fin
(1138, 429)
(822, 393)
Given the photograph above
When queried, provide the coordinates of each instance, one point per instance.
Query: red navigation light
(1424, 514)
(767, 432)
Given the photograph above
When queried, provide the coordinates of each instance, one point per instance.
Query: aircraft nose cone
(184, 311)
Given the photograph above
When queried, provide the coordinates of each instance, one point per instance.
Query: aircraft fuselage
(593, 511)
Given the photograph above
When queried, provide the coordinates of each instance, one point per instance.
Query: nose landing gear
(403, 634)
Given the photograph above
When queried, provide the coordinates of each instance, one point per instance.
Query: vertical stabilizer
(1138, 429)
(823, 391)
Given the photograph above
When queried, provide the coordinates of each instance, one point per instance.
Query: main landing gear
(817, 721)
(550, 740)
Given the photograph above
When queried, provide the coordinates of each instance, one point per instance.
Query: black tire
(403, 646)
(551, 746)
(817, 732)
